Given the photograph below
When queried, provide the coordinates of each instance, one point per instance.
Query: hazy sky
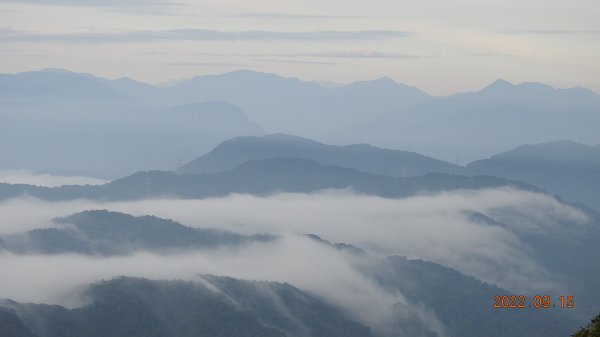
(438, 45)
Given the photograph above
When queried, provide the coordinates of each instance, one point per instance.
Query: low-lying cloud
(197, 34)
(439, 227)
(48, 180)
(298, 260)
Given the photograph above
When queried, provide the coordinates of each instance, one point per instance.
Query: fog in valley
(434, 227)
(178, 168)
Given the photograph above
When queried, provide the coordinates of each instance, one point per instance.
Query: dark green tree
(592, 330)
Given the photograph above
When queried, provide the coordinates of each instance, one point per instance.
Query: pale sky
(440, 46)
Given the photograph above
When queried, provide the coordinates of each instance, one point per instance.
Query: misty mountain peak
(252, 75)
(383, 89)
(537, 87)
(563, 147)
(550, 157)
(385, 79)
(286, 137)
(586, 91)
(234, 152)
(379, 82)
(499, 85)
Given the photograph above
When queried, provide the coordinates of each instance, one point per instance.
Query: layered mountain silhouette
(234, 152)
(226, 306)
(110, 233)
(62, 106)
(56, 89)
(566, 168)
(114, 143)
(260, 177)
(128, 306)
(479, 124)
(290, 105)
(444, 288)
(59, 121)
(216, 306)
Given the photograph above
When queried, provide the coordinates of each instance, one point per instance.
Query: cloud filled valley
(440, 228)
(291, 237)
(480, 233)
(178, 168)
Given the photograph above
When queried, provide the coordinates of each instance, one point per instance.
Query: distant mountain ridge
(101, 232)
(62, 107)
(545, 244)
(485, 122)
(290, 105)
(569, 169)
(234, 152)
(111, 143)
(564, 153)
(125, 307)
(260, 177)
(161, 308)
(214, 306)
(392, 115)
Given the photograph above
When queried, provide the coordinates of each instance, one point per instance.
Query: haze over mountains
(568, 169)
(110, 233)
(59, 122)
(478, 124)
(234, 152)
(250, 204)
(259, 177)
(140, 306)
(216, 306)
(256, 164)
(60, 114)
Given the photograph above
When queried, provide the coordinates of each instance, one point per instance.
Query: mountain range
(479, 124)
(521, 215)
(362, 157)
(564, 168)
(128, 306)
(110, 233)
(53, 109)
(223, 306)
(259, 177)
(218, 306)
(114, 142)
(568, 169)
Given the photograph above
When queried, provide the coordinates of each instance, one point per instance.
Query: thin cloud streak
(334, 54)
(92, 3)
(191, 34)
(356, 54)
(289, 16)
(205, 64)
(555, 32)
(292, 61)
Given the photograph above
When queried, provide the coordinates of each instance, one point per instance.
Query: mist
(328, 273)
(47, 180)
(434, 227)
(437, 227)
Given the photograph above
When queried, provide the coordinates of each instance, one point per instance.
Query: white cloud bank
(47, 180)
(298, 260)
(435, 227)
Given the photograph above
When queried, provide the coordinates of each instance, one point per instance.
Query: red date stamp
(537, 302)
